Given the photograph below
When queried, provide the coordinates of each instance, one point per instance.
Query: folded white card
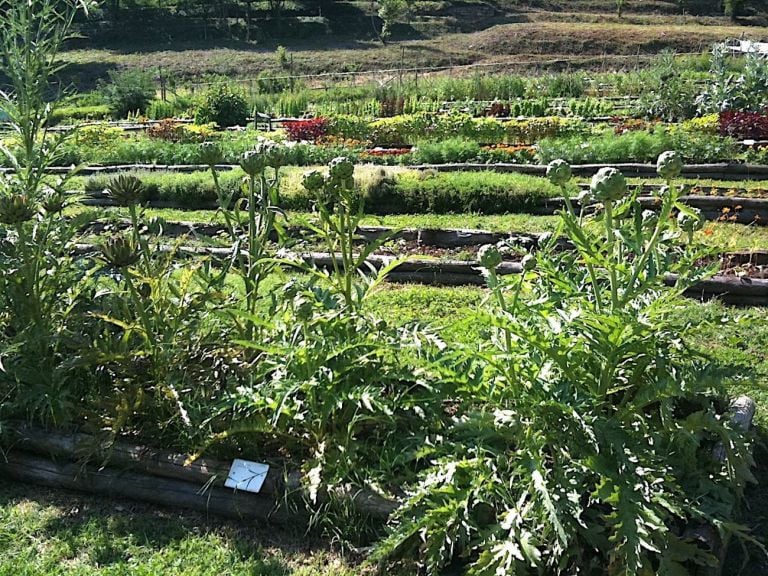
(246, 475)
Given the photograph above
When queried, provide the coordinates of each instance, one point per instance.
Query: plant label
(246, 475)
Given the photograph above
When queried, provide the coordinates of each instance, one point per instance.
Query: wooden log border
(56, 460)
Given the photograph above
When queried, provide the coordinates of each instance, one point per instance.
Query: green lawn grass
(723, 235)
(46, 533)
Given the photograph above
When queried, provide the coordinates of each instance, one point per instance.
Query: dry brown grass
(543, 43)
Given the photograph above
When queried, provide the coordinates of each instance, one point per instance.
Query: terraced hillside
(546, 35)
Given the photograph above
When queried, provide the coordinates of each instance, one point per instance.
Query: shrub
(639, 146)
(446, 151)
(507, 154)
(562, 85)
(709, 124)
(193, 190)
(584, 441)
(224, 105)
(128, 91)
(531, 130)
(484, 192)
(178, 107)
(411, 128)
(166, 130)
(72, 114)
(529, 107)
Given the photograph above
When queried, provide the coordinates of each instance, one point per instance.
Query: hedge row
(385, 192)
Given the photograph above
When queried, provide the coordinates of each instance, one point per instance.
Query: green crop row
(384, 191)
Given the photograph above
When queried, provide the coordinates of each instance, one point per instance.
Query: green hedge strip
(406, 192)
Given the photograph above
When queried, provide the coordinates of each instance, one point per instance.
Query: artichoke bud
(120, 251)
(211, 154)
(303, 307)
(608, 185)
(559, 172)
(145, 290)
(341, 169)
(585, 197)
(528, 262)
(16, 209)
(274, 156)
(669, 165)
(650, 218)
(690, 221)
(313, 180)
(489, 256)
(125, 190)
(253, 163)
(53, 201)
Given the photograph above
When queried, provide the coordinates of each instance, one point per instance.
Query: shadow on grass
(110, 534)
(84, 76)
(745, 559)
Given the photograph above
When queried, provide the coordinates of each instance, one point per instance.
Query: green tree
(733, 7)
(129, 91)
(390, 11)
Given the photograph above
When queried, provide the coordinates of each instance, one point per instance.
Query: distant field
(553, 41)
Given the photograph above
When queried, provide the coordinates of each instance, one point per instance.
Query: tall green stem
(576, 225)
(666, 211)
(610, 248)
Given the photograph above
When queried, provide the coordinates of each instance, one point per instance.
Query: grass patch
(723, 235)
(58, 533)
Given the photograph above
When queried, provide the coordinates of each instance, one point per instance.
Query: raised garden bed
(68, 460)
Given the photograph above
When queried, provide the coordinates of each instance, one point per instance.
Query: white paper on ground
(246, 475)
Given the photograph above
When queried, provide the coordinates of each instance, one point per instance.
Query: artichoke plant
(528, 262)
(53, 201)
(253, 163)
(650, 218)
(489, 256)
(15, 209)
(690, 221)
(274, 155)
(341, 169)
(559, 172)
(211, 154)
(125, 190)
(313, 180)
(120, 251)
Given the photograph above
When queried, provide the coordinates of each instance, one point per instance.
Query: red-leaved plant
(306, 130)
(744, 125)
